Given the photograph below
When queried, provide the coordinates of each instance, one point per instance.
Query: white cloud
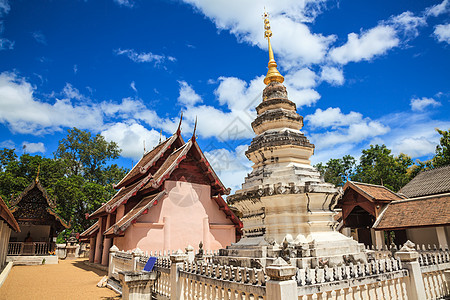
(133, 86)
(39, 37)
(71, 92)
(8, 144)
(4, 7)
(144, 57)
(33, 147)
(294, 43)
(438, 9)
(442, 33)
(130, 108)
(126, 3)
(6, 44)
(188, 96)
(130, 137)
(22, 113)
(332, 75)
(332, 117)
(230, 166)
(407, 23)
(421, 104)
(414, 147)
(303, 78)
(370, 43)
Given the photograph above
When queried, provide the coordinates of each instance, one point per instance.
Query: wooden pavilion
(35, 211)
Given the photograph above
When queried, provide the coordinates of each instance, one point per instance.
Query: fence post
(112, 254)
(281, 286)
(137, 253)
(414, 285)
(176, 285)
(137, 286)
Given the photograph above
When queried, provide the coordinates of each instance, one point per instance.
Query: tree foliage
(377, 165)
(78, 176)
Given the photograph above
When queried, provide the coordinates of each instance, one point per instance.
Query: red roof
(373, 192)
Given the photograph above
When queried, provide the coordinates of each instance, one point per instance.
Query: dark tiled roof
(169, 165)
(430, 182)
(374, 192)
(89, 232)
(123, 194)
(415, 212)
(7, 216)
(134, 213)
(147, 161)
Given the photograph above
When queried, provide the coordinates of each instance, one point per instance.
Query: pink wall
(186, 216)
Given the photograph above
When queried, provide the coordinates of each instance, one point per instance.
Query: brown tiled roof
(430, 182)
(89, 232)
(169, 165)
(148, 160)
(415, 212)
(7, 216)
(122, 195)
(134, 213)
(373, 192)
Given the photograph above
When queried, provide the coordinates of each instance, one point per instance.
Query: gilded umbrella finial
(272, 73)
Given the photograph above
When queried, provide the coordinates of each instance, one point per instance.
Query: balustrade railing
(388, 278)
(30, 248)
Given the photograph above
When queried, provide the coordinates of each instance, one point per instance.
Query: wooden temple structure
(39, 222)
(170, 199)
(361, 205)
(8, 224)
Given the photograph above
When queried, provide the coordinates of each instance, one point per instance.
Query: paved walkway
(70, 279)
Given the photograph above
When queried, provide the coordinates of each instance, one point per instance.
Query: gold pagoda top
(272, 73)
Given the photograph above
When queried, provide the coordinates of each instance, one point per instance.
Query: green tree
(337, 171)
(378, 166)
(86, 155)
(442, 154)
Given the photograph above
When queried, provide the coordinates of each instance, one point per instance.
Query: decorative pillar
(91, 249)
(137, 286)
(111, 265)
(190, 253)
(176, 285)
(206, 244)
(379, 239)
(98, 242)
(442, 239)
(167, 245)
(107, 242)
(415, 288)
(281, 286)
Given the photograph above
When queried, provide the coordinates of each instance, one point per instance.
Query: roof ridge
(422, 198)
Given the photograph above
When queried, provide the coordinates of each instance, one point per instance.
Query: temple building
(424, 215)
(286, 208)
(170, 199)
(39, 222)
(361, 205)
(8, 224)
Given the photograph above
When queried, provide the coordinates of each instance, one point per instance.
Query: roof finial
(195, 128)
(160, 136)
(144, 146)
(179, 124)
(37, 175)
(272, 73)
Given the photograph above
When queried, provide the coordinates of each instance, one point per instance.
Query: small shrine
(171, 198)
(35, 212)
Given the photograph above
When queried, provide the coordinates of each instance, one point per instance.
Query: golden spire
(272, 73)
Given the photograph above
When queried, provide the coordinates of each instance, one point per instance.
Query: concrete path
(69, 279)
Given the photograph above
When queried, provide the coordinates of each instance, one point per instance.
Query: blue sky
(360, 72)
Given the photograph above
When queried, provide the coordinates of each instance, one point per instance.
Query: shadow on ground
(80, 264)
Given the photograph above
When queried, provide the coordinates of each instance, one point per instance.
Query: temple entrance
(362, 221)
